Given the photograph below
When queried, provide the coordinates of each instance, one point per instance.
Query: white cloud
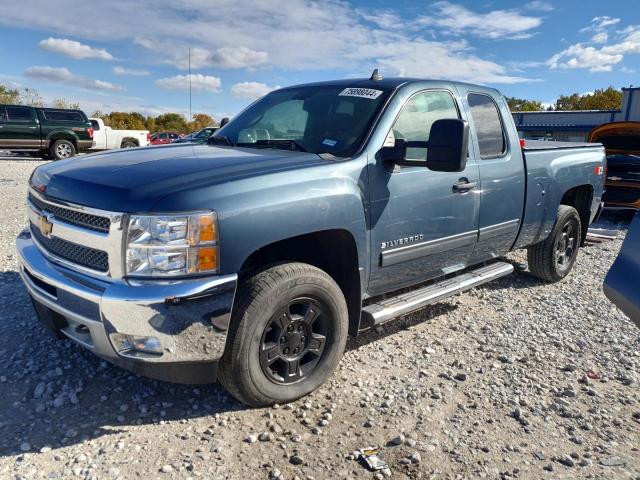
(539, 6)
(600, 37)
(599, 24)
(136, 72)
(198, 82)
(598, 59)
(64, 76)
(223, 57)
(74, 49)
(496, 24)
(250, 90)
(291, 34)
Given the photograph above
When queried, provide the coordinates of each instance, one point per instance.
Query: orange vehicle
(622, 143)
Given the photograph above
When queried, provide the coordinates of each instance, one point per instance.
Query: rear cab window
(19, 114)
(95, 125)
(63, 115)
(488, 126)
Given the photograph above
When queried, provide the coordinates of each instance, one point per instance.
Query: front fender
(258, 211)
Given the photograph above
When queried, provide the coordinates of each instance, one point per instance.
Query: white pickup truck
(106, 138)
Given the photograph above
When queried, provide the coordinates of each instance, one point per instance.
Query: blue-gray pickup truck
(319, 211)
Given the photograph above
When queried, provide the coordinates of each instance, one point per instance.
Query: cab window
(19, 114)
(487, 125)
(416, 117)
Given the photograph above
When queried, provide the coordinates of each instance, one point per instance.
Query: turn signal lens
(207, 259)
(207, 229)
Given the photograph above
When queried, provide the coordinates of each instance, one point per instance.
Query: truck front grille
(78, 254)
(80, 219)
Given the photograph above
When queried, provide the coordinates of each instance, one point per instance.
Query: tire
(552, 259)
(128, 145)
(61, 150)
(260, 354)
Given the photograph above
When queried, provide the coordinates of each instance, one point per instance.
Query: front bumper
(189, 318)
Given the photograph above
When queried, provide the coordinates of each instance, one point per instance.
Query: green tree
(200, 121)
(172, 121)
(124, 121)
(9, 95)
(522, 105)
(601, 99)
(150, 124)
(64, 103)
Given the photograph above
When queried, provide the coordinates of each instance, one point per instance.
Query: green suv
(53, 132)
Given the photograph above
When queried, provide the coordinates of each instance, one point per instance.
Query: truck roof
(392, 82)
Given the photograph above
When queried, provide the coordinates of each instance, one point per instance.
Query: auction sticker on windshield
(360, 92)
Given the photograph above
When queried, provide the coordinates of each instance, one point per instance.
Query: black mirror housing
(448, 144)
(395, 154)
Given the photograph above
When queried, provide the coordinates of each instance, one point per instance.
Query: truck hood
(134, 180)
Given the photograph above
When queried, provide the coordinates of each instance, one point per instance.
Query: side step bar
(407, 302)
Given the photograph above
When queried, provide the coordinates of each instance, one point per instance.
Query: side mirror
(448, 143)
(396, 154)
(224, 121)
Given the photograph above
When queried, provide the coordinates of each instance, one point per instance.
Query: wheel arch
(129, 139)
(580, 197)
(333, 251)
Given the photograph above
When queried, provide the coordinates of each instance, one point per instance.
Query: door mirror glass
(448, 143)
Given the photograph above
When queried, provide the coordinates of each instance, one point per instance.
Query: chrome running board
(390, 308)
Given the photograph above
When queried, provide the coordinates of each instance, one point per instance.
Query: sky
(133, 56)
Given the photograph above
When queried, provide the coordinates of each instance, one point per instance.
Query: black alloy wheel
(293, 341)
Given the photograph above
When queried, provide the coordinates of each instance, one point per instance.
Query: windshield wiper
(285, 142)
(220, 140)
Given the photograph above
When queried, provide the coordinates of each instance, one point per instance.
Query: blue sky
(132, 56)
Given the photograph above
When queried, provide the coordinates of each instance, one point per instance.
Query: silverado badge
(402, 241)
(44, 222)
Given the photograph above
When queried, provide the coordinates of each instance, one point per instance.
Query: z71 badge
(402, 241)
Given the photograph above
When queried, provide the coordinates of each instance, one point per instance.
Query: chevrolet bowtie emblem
(45, 225)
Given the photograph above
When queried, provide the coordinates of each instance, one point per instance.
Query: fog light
(135, 343)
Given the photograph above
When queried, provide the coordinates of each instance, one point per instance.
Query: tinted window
(620, 142)
(19, 114)
(3, 114)
(487, 124)
(173, 135)
(162, 136)
(63, 116)
(95, 125)
(417, 116)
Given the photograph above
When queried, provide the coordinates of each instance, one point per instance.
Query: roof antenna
(375, 76)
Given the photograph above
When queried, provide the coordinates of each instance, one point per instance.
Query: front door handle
(463, 186)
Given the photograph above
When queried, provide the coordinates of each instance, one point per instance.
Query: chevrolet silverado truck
(107, 138)
(52, 132)
(319, 211)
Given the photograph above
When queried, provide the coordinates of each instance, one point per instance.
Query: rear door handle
(463, 186)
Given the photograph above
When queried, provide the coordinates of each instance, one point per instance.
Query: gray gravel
(516, 379)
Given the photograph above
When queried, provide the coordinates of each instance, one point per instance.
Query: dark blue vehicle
(252, 257)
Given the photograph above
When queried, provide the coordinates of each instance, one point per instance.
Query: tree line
(118, 120)
(608, 98)
(601, 99)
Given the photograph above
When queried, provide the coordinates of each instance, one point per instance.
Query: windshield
(318, 119)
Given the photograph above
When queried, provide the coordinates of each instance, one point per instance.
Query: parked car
(200, 136)
(51, 132)
(319, 211)
(106, 138)
(163, 138)
(622, 143)
(620, 283)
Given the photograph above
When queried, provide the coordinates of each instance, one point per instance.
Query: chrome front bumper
(189, 318)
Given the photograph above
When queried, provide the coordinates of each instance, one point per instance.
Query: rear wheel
(128, 145)
(62, 149)
(287, 335)
(553, 259)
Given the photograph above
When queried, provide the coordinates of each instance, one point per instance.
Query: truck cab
(319, 211)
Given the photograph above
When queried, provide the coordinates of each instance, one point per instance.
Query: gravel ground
(516, 379)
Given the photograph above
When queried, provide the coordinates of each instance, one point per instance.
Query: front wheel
(553, 259)
(287, 334)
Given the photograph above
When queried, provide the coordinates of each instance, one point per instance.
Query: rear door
(423, 226)
(21, 128)
(502, 175)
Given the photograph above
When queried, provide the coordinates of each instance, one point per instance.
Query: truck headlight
(171, 245)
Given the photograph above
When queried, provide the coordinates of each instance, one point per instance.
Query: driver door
(422, 225)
